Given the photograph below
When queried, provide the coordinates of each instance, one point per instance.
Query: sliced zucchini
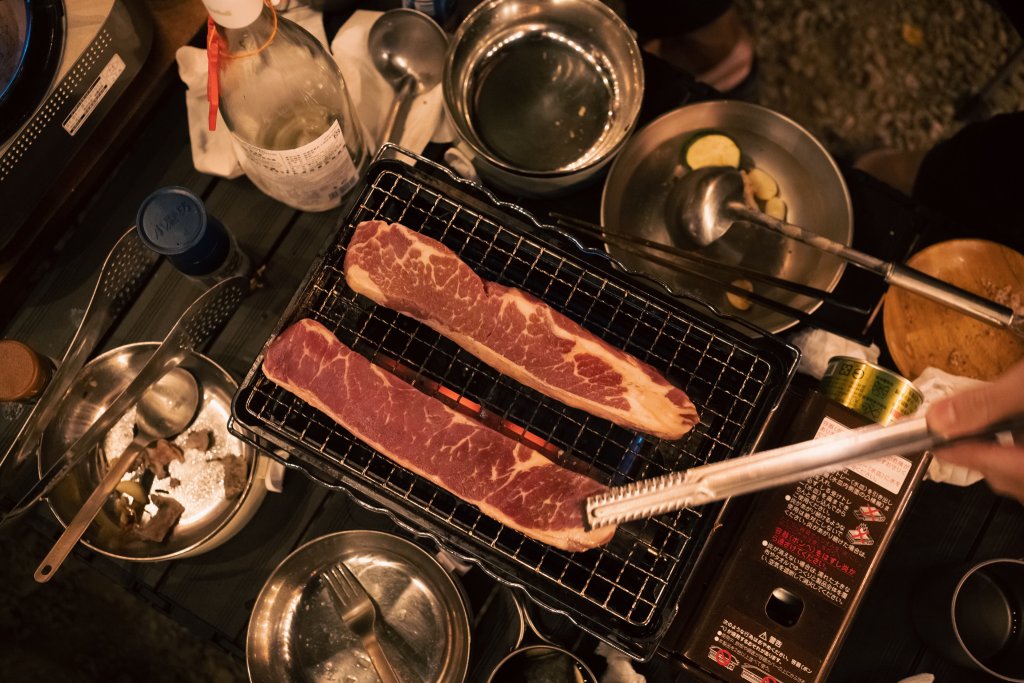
(776, 208)
(738, 301)
(712, 149)
(764, 185)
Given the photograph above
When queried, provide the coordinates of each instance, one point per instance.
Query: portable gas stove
(63, 64)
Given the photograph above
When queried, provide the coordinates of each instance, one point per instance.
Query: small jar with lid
(24, 373)
(173, 221)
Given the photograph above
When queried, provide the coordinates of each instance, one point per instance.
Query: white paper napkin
(373, 95)
(620, 667)
(213, 151)
(817, 347)
(935, 384)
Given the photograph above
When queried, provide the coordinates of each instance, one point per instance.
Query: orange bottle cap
(23, 373)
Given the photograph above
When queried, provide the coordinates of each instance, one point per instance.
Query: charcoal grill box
(785, 585)
(626, 592)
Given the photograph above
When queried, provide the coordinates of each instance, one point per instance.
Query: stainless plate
(295, 633)
(209, 516)
(810, 183)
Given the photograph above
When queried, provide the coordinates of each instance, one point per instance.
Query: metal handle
(196, 324)
(380, 662)
(83, 518)
(120, 279)
(768, 469)
(866, 261)
(895, 274)
(394, 122)
(960, 299)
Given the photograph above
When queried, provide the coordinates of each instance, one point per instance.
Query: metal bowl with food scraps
(296, 632)
(791, 175)
(542, 93)
(192, 495)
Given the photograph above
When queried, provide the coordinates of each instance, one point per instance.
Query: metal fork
(359, 612)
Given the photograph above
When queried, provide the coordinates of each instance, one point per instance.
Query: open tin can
(876, 393)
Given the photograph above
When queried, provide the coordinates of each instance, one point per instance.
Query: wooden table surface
(214, 593)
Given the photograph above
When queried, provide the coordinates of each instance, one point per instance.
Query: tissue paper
(935, 384)
(817, 347)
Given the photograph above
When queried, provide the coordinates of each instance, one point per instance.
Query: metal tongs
(122, 275)
(775, 467)
(206, 315)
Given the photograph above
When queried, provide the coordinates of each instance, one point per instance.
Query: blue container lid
(172, 221)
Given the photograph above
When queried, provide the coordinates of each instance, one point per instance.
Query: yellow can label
(872, 391)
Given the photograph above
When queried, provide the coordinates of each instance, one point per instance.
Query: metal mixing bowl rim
(739, 104)
(466, 135)
(240, 501)
(459, 607)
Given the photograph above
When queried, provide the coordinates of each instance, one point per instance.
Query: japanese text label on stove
(740, 649)
(826, 532)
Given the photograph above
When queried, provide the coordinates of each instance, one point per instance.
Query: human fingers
(1002, 466)
(980, 406)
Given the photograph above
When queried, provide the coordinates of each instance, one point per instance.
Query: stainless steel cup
(546, 663)
(973, 616)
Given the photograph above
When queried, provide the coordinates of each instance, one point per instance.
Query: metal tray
(626, 592)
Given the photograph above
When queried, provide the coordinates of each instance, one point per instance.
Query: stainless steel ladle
(705, 203)
(164, 410)
(408, 49)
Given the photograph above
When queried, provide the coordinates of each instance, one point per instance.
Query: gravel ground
(862, 74)
(859, 74)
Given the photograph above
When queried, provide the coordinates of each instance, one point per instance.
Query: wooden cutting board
(921, 333)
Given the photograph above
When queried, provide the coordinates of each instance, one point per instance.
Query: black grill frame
(626, 592)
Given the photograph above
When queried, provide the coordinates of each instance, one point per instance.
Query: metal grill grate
(623, 592)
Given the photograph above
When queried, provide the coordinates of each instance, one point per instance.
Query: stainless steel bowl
(209, 518)
(543, 93)
(296, 634)
(810, 183)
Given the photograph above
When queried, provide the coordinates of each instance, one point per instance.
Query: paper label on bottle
(313, 177)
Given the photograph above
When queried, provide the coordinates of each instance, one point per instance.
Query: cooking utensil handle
(379, 660)
(629, 244)
(866, 261)
(402, 94)
(771, 468)
(119, 280)
(87, 513)
(207, 313)
(966, 302)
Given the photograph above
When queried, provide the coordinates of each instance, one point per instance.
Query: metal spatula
(768, 469)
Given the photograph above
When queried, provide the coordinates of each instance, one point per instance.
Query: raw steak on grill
(505, 479)
(512, 331)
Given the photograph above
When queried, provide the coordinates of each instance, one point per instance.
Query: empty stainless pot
(542, 93)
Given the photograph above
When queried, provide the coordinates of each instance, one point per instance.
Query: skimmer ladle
(705, 203)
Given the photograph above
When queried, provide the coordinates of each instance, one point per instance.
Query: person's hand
(978, 407)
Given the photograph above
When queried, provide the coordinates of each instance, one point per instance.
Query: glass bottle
(173, 221)
(283, 98)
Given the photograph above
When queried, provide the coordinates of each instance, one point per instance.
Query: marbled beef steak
(511, 331)
(507, 480)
